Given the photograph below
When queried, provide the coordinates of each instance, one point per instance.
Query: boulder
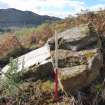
(78, 69)
(79, 57)
(76, 38)
(67, 58)
(79, 76)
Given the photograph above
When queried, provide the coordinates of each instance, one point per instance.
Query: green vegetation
(89, 54)
(21, 92)
(12, 80)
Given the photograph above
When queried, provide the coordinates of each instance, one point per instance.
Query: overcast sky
(59, 8)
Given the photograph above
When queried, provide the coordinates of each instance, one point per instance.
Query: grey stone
(79, 76)
(76, 38)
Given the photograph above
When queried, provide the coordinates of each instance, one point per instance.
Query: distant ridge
(13, 17)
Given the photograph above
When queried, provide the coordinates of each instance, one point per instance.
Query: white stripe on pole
(56, 50)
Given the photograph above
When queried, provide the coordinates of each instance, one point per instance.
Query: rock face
(37, 64)
(76, 77)
(79, 57)
(76, 38)
(42, 72)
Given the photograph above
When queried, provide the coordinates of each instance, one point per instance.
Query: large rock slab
(37, 64)
(67, 58)
(78, 68)
(76, 38)
(79, 56)
(77, 77)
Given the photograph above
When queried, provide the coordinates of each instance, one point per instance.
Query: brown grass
(8, 44)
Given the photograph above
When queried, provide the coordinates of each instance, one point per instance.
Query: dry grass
(8, 44)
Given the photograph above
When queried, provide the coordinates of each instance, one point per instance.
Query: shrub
(10, 83)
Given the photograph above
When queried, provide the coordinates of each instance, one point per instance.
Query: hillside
(13, 17)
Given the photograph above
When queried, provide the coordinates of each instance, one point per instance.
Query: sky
(58, 8)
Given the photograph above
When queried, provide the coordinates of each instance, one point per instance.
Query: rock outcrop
(79, 57)
(76, 38)
(79, 76)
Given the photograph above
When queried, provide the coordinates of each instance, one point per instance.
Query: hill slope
(14, 17)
